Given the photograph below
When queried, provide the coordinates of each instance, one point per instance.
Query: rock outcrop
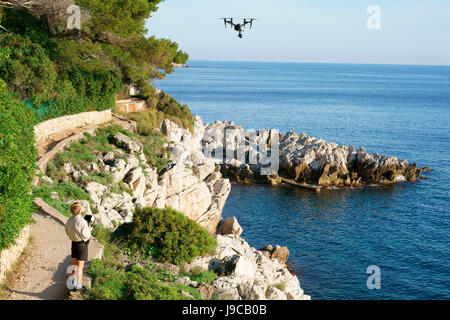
(230, 226)
(279, 253)
(247, 273)
(190, 183)
(194, 184)
(244, 154)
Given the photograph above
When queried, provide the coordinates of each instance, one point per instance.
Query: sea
(378, 242)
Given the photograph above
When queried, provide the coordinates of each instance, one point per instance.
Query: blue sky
(412, 32)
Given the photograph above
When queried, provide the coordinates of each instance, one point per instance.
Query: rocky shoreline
(302, 159)
(180, 65)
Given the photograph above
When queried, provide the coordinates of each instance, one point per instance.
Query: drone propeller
(249, 21)
(226, 20)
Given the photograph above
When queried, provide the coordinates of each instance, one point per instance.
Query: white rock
(245, 267)
(122, 141)
(135, 178)
(275, 294)
(68, 168)
(230, 226)
(95, 191)
(250, 290)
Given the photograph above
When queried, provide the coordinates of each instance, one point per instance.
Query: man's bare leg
(80, 265)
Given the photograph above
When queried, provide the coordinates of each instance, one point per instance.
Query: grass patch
(104, 178)
(167, 236)
(83, 151)
(280, 286)
(154, 151)
(66, 191)
(207, 277)
(121, 187)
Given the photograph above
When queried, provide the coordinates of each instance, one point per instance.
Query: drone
(239, 27)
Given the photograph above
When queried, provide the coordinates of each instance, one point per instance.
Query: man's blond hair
(76, 208)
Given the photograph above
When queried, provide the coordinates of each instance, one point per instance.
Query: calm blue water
(334, 236)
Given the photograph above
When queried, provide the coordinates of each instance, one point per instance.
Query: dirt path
(43, 276)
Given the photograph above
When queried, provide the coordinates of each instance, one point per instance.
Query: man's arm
(85, 231)
(66, 229)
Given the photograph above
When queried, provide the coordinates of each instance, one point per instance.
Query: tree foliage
(16, 166)
(70, 72)
(121, 23)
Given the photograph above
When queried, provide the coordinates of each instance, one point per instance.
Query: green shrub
(17, 166)
(150, 119)
(28, 69)
(72, 73)
(137, 283)
(168, 236)
(111, 280)
(108, 282)
(171, 107)
(205, 276)
(145, 285)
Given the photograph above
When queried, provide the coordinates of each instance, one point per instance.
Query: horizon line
(317, 62)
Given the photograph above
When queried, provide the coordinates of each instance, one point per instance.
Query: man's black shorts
(80, 250)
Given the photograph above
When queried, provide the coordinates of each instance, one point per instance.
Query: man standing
(79, 232)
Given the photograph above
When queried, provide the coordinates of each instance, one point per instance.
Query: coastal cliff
(113, 173)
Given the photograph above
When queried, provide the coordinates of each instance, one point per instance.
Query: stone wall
(9, 256)
(130, 105)
(59, 128)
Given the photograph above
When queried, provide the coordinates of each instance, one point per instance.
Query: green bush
(137, 283)
(17, 166)
(205, 276)
(168, 236)
(108, 282)
(28, 70)
(112, 280)
(162, 106)
(171, 107)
